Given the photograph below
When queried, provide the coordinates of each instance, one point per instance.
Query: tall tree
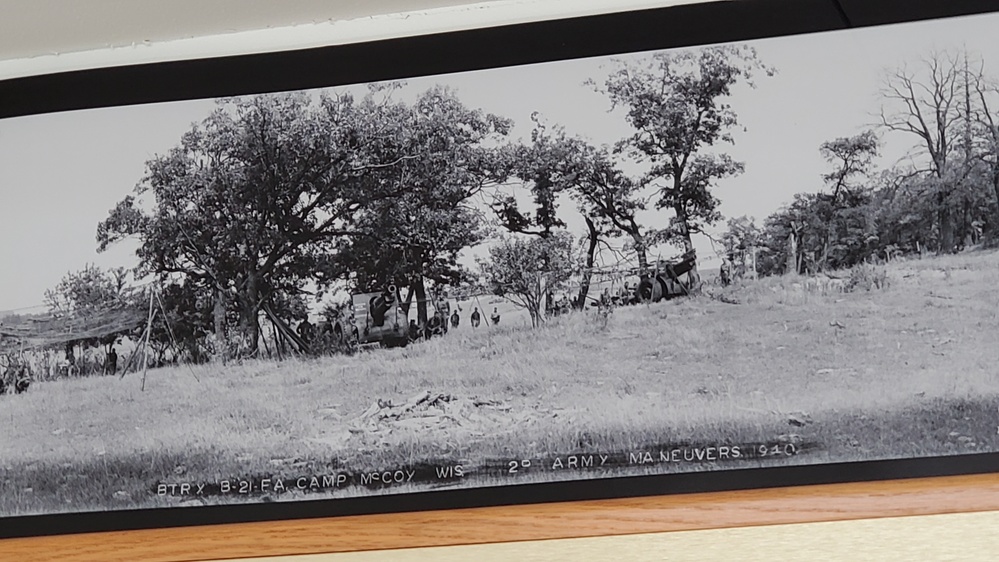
(608, 200)
(852, 158)
(541, 168)
(418, 235)
(931, 102)
(987, 129)
(904, 212)
(254, 197)
(677, 104)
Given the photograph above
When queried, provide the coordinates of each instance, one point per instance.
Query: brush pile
(443, 415)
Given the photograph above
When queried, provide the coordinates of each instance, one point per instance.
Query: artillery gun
(380, 318)
(667, 283)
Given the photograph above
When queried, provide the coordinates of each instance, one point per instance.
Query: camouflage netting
(34, 332)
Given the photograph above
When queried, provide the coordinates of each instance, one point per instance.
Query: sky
(61, 173)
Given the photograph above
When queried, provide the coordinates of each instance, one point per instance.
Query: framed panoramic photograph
(707, 247)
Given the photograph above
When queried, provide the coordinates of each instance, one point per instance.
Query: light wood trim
(952, 536)
(833, 502)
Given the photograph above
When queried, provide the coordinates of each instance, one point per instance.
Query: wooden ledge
(835, 502)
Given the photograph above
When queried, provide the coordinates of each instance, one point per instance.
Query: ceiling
(52, 36)
(30, 28)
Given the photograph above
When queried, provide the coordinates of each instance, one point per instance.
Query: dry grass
(906, 370)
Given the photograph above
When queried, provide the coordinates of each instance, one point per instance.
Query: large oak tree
(254, 198)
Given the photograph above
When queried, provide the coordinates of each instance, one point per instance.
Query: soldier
(111, 362)
(23, 380)
(378, 307)
(475, 318)
(305, 331)
(455, 319)
(414, 330)
(725, 272)
(435, 325)
(16, 379)
(495, 317)
(445, 312)
(625, 295)
(326, 333)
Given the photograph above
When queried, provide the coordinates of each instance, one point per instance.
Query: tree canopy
(525, 270)
(676, 103)
(256, 196)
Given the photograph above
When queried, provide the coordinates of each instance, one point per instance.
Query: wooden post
(277, 342)
(263, 338)
(145, 343)
(792, 266)
(173, 340)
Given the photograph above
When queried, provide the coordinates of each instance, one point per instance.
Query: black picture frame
(679, 26)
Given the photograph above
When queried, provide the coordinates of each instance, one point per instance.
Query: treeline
(273, 202)
(943, 198)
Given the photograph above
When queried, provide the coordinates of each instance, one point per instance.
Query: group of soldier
(443, 317)
(323, 334)
(15, 377)
(69, 367)
(623, 296)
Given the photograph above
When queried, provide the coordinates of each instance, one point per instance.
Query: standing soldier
(495, 317)
(445, 312)
(605, 297)
(305, 331)
(725, 272)
(475, 318)
(111, 362)
(455, 319)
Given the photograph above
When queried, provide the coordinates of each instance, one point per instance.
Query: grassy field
(907, 370)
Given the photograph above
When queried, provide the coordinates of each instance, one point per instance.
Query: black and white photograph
(772, 253)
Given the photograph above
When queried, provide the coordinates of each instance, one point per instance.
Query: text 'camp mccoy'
(314, 483)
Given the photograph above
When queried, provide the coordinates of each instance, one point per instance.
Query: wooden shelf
(834, 502)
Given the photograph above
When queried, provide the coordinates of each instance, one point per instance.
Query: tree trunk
(681, 217)
(591, 250)
(792, 254)
(643, 260)
(825, 255)
(218, 314)
(946, 224)
(534, 306)
(421, 301)
(995, 185)
(250, 312)
(964, 238)
(688, 245)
